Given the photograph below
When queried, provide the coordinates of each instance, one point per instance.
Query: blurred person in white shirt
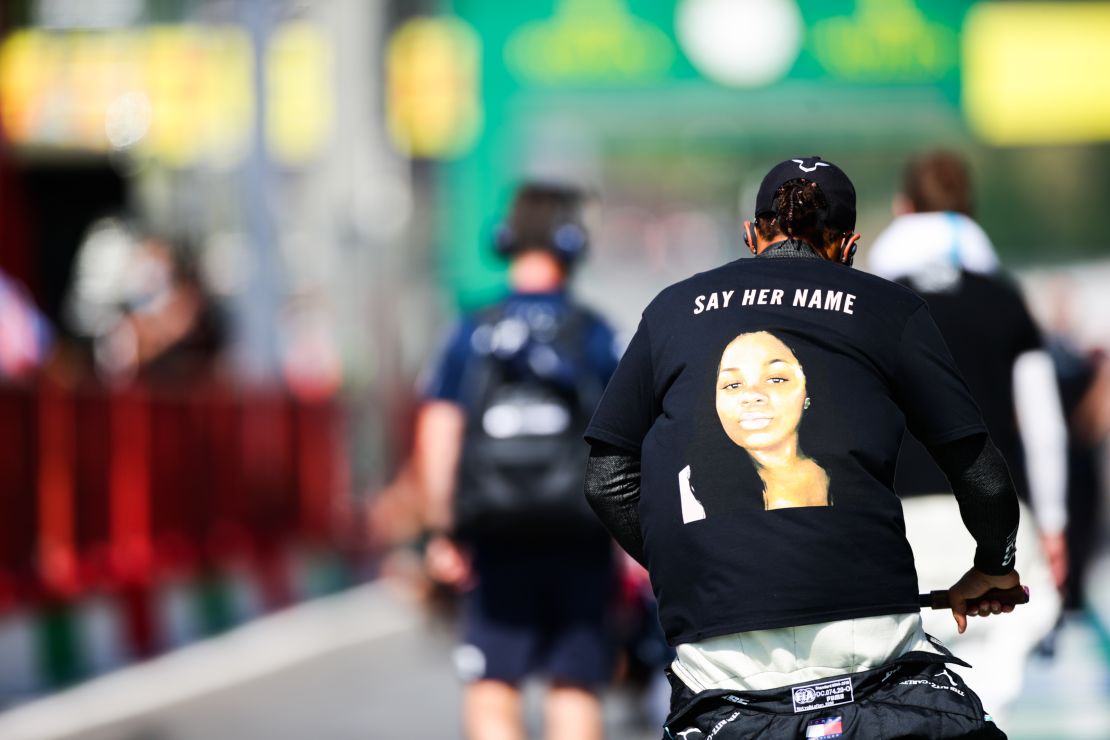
(936, 248)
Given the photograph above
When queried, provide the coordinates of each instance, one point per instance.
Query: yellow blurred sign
(300, 80)
(1038, 73)
(181, 94)
(432, 71)
(199, 84)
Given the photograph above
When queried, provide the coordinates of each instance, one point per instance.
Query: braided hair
(800, 213)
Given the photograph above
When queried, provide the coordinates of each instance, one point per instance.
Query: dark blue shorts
(543, 612)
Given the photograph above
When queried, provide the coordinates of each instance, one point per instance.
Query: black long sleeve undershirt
(987, 498)
(978, 475)
(613, 492)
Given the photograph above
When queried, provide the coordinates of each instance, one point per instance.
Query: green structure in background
(591, 60)
(881, 78)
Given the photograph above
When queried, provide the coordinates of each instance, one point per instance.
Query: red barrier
(129, 465)
(18, 510)
(92, 486)
(320, 463)
(114, 489)
(180, 467)
(57, 545)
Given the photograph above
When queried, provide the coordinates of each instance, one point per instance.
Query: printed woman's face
(760, 391)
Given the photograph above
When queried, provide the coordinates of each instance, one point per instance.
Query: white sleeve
(1044, 438)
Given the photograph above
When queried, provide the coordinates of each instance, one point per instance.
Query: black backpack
(523, 459)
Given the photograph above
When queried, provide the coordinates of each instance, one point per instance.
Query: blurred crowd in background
(232, 233)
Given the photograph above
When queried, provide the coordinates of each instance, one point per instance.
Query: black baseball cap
(838, 190)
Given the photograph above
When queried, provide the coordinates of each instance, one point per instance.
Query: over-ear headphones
(568, 241)
(544, 216)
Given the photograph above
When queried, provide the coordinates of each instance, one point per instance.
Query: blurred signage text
(432, 69)
(180, 94)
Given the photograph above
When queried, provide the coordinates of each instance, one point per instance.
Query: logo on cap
(803, 168)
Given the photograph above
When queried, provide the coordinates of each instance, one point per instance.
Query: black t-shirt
(986, 325)
(766, 489)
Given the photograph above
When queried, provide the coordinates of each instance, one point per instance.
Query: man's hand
(446, 562)
(974, 584)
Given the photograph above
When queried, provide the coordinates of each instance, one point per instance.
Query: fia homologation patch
(822, 695)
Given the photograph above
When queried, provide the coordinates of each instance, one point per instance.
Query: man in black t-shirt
(744, 451)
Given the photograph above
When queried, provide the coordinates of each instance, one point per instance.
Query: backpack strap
(483, 372)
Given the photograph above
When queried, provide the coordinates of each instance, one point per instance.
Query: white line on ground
(259, 648)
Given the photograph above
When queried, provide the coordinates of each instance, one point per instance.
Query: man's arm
(613, 492)
(989, 508)
(436, 449)
(1044, 438)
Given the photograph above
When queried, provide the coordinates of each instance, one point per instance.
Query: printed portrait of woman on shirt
(760, 397)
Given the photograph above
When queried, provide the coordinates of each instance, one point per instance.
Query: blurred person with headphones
(935, 248)
(500, 460)
(784, 578)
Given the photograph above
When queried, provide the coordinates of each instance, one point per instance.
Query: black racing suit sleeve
(986, 496)
(613, 492)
